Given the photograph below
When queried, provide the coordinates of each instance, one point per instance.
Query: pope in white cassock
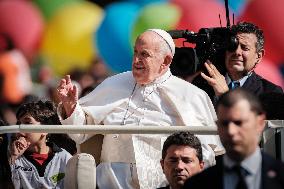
(149, 95)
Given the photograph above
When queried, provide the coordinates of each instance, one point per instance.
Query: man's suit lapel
(212, 178)
(252, 83)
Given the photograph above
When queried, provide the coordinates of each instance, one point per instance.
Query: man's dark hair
(246, 27)
(230, 98)
(183, 139)
(43, 112)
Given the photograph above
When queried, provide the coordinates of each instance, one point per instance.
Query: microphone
(190, 36)
(176, 34)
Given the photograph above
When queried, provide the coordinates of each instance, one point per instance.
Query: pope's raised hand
(67, 94)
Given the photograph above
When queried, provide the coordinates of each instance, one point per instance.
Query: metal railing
(107, 129)
(118, 129)
(273, 136)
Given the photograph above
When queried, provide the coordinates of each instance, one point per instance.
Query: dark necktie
(234, 85)
(241, 184)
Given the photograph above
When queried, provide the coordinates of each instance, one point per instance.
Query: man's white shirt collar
(242, 80)
(251, 163)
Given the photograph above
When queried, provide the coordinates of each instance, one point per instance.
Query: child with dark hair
(45, 113)
(36, 163)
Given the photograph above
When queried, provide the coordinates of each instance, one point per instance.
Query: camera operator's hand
(215, 79)
(67, 94)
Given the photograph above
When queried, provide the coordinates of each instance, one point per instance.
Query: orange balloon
(15, 71)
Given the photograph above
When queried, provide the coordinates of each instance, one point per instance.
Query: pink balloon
(197, 14)
(22, 21)
(267, 14)
(270, 72)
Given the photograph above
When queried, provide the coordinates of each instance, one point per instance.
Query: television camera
(211, 44)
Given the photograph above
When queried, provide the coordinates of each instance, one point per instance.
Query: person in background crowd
(34, 162)
(99, 70)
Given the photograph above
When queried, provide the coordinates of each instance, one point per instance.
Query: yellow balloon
(68, 38)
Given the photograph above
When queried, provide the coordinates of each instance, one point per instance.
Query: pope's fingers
(74, 89)
(65, 86)
(61, 92)
(62, 84)
(68, 79)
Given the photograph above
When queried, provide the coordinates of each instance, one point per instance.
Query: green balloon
(49, 7)
(156, 15)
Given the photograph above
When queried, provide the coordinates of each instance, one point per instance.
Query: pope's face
(149, 59)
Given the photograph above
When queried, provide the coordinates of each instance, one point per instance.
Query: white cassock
(132, 161)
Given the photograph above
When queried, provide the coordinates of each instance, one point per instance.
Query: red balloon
(22, 21)
(270, 72)
(267, 15)
(197, 14)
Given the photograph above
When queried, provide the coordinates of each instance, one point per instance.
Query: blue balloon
(113, 37)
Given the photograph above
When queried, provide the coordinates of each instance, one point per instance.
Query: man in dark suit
(239, 66)
(181, 158)
(241, 121)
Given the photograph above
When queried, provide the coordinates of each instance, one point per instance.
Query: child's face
(33, 138)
